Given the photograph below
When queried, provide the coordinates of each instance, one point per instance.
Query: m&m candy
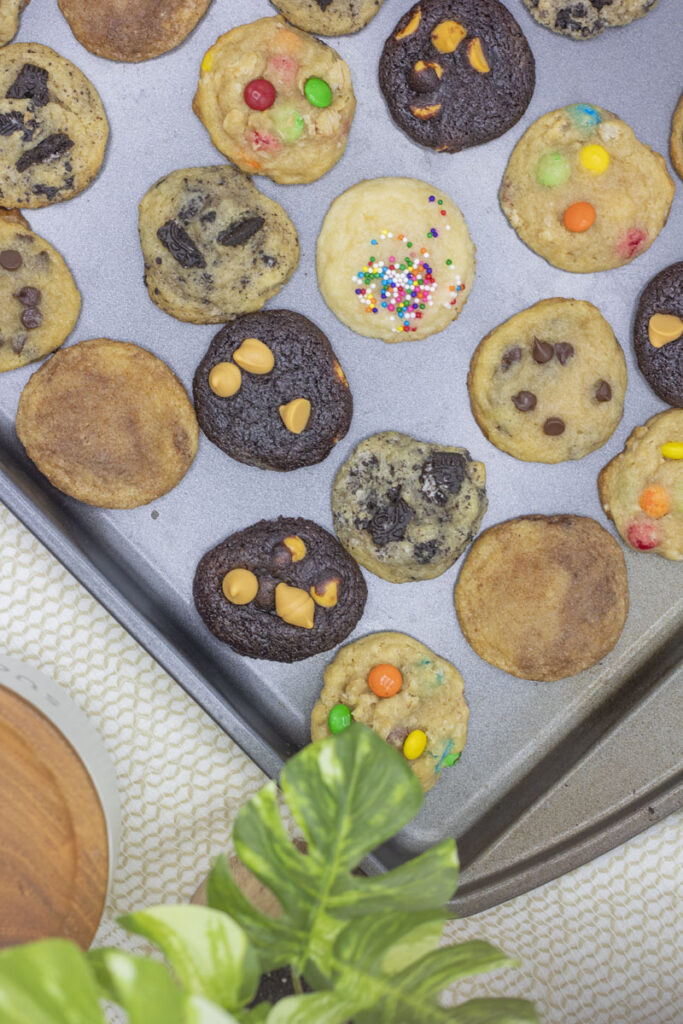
(584, 116)
(643, 535)
(552, 169)
(655, 501)
(385, 680)
(594, 158)
(318, 92)
(450, 759)
(259, 94)
(415, 744)
(673, 450)
(579, 217)
(289, 124)
(339, 718)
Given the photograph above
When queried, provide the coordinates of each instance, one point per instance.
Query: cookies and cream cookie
(9, 19)
(584, 19)
(676, 145)
(329, 17)
(276, 101)
(658, 334)
(583, 192)
(410, 696)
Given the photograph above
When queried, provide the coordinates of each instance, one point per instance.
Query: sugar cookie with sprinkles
(395, 259)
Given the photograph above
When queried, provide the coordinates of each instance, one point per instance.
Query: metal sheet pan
(552, 773)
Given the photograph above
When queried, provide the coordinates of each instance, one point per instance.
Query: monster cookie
(456, 73)
(270, 391)
(9, 18)
(641, 489)
(543, 597)
(214, 246)
(583, 192)
(276, 101)
(410, 696)
(53, 129)
(406, 509)
(583, 19)
(549, 383)
(282, 589)
(329, 17)
(132, 30)
(39, 301)
(658, 334)
(108, 423)
(676, 147)
(395, 259)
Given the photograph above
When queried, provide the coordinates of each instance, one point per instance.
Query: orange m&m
(579, 217)
(655, 501)
(385, 680)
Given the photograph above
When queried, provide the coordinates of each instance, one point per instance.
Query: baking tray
(553, 773)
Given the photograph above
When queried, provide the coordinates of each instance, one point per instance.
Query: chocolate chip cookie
(329, 17)
(214, 246)
(456, 73)
(549, 383)
(584, 19)
(53, 129)
(658, 334)
(676, 146)
(9, 18)
(282, 589)
(406, 509)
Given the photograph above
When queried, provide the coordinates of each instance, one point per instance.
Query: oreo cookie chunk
(270, 391)
(406, 509)
(282, 589)
(658, 334)
(456, 73)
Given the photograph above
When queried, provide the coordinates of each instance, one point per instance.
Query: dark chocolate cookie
(282, 589)
(658, 334)
(270, 391)
(456, 73)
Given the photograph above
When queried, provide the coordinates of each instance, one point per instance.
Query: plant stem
(296, 984)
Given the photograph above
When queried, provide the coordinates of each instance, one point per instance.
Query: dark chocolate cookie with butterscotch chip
(456, 73)
(658, 334)
(283, 589)
(271, 392)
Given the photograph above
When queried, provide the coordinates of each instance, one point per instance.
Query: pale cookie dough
(641, 489)
(9, 18)
(583, 19)
(677, 138)
(276, 101)
(583, 192)
(395, 259)
(549, 383)
(430, 699)
(329, 17)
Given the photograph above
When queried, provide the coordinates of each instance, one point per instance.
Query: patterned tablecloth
(601, 945)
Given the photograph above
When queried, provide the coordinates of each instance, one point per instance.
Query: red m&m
(259, 94)
(643, 535)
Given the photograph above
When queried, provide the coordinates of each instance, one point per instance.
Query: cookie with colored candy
(641, 489)
(132, 30)
(658, 334)
(9, 18)
(410, 696)
(584, 19)
(108, 423)
(543, 597)
(456, 73)
(276, 101)
(329, 17)
(214, 246)
(676, 146)
(271, 392)
(53, 129)
(549, 383)
(406, 509)
(282, 589)
(395, 259)
(583, 192)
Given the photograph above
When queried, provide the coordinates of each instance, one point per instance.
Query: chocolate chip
(30, 84)
(51, 147)
(281, 556)
(181, 247)
(442, 475)
(564, 352)
(28, 296)
(603, 392)
(542, 351)
(240, 231)
(323, 4)
(18, 342)
(31, 318)
(265, 595)
(425, 551)
(553, 426)
(10, 259)
(525, 401)
(389, 523)
(423, 80)
(513, 355)
(398, 735)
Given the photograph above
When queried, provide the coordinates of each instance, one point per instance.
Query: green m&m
(552, 169)
(450, 760)
(288, 123)
(339, 718)
(318, 92)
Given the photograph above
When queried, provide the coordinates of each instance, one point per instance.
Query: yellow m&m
(673, 450)
(595, 159)
(415, 744)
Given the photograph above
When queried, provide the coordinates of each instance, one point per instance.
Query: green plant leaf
(48, 982)
(315, 1008)
(493, 1011)
(198, 1010)
(390, 942)
(144, 988)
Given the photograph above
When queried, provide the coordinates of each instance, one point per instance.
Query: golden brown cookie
(677, 138)
(108, 423)
(9, 18)
(543, 597)
(328, 17)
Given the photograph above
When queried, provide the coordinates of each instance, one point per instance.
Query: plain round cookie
(9, 18)
(301, 103)
(641, 489)
(584, 19)
(431, 699)
(329, 17)
(407, 509)
(296, 568)
(395, 259)
(299, 364)
(543, 597)
(582, 162)
(53, 129)
(549, 383)
(108, 423)
(39, 300)
(456, 73)
(660, 355)
(214, 246)
(132, 30)
(676, 145)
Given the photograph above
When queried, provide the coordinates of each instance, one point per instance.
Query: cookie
(108, 423)
(641, 489)
(456, 73)
(214, 246)
(132, 30)
(9, 18)
(658, 334)
(39, 300)
(584, 19)
(583, 192)
(282, 589)
(329, 17)
(395, 259)
(53, 129)
(276, 101)
(410, 696)
(406, 509)
(549, 383)
(543, 597)
(271, 392)
(676, 146)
